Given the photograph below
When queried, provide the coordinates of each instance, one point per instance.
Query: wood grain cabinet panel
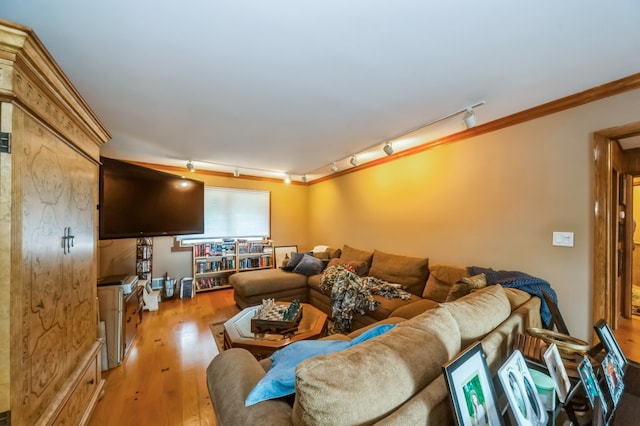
(48, 193)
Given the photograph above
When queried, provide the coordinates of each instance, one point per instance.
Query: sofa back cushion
(368, 381)
(441, 279)
(350, 254)
(411, 272)
(479, 313)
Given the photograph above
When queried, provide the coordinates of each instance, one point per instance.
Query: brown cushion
(368, 381)
(465, 286)
(480, 312)
(359, 267)
(411, 272)
(413, 309)
(441, 279)
(350, 254)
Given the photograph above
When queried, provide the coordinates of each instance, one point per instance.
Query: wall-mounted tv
(138, 201)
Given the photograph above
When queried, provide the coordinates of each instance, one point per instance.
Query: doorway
(615, 257)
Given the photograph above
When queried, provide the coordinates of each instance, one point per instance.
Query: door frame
(610, 161)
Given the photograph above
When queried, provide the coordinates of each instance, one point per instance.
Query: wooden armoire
(49, 151)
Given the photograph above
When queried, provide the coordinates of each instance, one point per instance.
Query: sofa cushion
(410, 310)
(516, 297)
(265, 282)
(465, 286)
(294, 259)
(367, 382)
(359, 267)
(441, 279)
(309, 265)
(350, 254)
(280, 379)
(411, 272)
(479, 313)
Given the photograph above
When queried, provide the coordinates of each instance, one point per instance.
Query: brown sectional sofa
(427, 288)
(393, 379)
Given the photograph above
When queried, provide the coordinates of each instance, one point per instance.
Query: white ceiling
(291, 86)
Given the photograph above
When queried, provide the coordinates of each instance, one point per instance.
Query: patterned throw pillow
(465, 286)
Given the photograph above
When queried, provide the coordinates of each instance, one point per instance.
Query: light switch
(563, 239)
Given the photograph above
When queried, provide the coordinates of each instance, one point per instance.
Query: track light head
(388, 148)
(354, 161)
(287, 179)
(304, 178)
(236, 173)
(334, 167)
(469, 119)
(190, 166)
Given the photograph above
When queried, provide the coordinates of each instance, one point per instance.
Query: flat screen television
(137, 201)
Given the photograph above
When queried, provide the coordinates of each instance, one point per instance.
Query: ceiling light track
(469, 121)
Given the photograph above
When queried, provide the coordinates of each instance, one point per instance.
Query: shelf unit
(144, 255)
(215, 260)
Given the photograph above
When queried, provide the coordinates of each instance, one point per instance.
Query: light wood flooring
(628, 336)
(162, 379)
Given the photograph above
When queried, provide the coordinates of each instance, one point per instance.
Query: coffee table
(237, 331)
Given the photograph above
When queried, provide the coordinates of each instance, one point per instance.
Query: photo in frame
(610, 343)
(558, 373)
(613, 376)
(281, 252)
(471, 390)
(591, 386)
(523, 398)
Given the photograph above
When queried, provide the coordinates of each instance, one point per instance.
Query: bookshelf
(215, 260)
(144, 255)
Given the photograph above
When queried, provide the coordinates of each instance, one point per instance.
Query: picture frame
(557, 371)
(524, 401)
(610, 343)
(613, 376)
(280, 252)
(591, 386)
(471, 390)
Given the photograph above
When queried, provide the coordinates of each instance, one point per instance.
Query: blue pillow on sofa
(280, 380)
(309, 265)
(294, 259)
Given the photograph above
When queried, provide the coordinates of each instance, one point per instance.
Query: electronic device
(136, 201)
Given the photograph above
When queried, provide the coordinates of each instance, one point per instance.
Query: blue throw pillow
(294, 259)
(309, 265)
(280, 380)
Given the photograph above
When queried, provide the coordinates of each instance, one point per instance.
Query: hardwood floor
(628, 336)
(162, 379)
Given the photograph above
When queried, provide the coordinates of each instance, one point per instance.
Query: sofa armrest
(231, 375)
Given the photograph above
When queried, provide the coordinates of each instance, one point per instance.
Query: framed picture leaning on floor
(471, 390)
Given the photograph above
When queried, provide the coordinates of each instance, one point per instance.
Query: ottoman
(249, 288)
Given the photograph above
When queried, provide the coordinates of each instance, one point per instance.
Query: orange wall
(491, 201)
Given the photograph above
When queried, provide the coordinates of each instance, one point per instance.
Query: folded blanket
(515, 279)
(351, 294)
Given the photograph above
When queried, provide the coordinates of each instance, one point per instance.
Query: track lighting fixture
(287, 179)
(354, 160)
(190, 166)
(236, 173)
(388, 149)
(469, 118)
(334, 167)
(303, 178)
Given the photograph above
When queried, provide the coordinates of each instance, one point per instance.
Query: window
(239, 213)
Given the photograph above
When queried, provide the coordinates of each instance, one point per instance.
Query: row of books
(253, 247)
(211, 282)
(256, 262)
(214, 249)
(224, 264)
